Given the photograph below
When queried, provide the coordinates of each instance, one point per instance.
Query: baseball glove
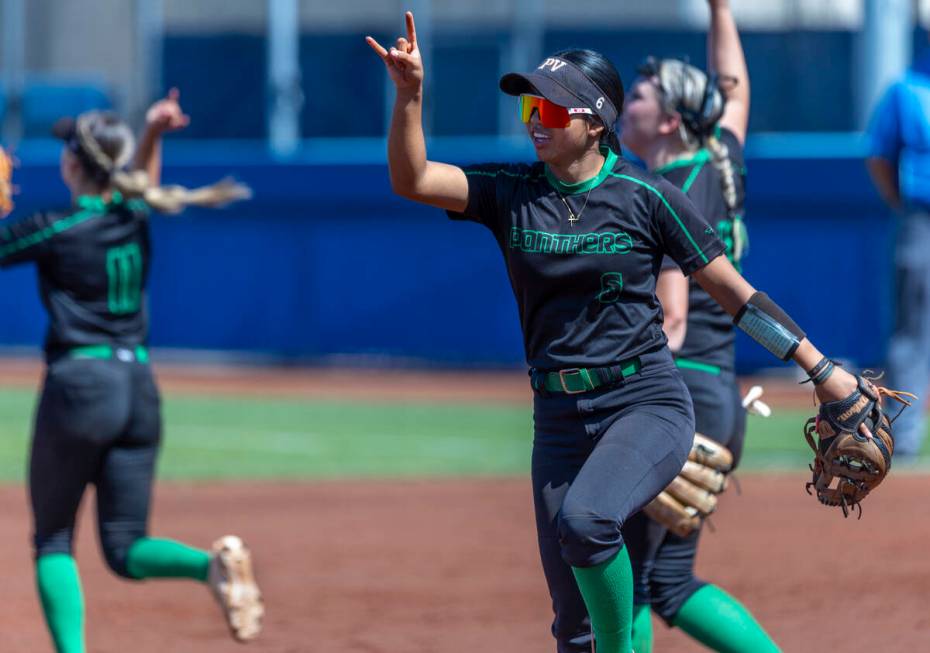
(848, 464)
(6, 183)
(692, 495)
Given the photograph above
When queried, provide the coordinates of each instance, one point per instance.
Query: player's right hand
(402, 61)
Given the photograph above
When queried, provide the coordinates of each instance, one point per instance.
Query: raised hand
(402, 61)
(166, 114)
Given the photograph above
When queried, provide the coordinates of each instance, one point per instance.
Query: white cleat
(753, 404)
(232, 582)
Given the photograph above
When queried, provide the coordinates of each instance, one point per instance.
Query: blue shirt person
(899, 163)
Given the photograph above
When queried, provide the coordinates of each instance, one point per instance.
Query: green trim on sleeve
(670, 209)
(50, 231)
(610, 160)
(501, 171)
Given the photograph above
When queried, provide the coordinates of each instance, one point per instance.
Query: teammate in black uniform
(583, 233)
(98, 421)
(690, 127)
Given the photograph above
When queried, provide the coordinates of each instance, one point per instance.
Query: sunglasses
(551, 115)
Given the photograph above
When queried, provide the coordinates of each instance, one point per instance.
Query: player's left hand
(840, 386)
(166, 115)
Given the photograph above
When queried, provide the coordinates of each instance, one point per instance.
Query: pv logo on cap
(552, 64)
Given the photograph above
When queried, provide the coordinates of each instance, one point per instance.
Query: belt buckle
(124, 355)
(564, 373)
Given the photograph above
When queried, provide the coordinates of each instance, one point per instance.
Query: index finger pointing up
(411, 29)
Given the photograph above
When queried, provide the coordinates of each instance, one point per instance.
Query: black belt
(576, 380)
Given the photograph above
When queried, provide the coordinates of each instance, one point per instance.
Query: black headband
(702, 121)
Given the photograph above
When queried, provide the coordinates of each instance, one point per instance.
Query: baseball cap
(562, 83)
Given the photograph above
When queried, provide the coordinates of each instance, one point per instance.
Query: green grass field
(240, 437)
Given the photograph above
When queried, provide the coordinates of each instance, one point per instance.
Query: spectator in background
(899, 163)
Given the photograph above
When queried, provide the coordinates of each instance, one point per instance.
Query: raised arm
(163, 116)
(412, 175)
(725, 57)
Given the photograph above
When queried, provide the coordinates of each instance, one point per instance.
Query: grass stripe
(254, 438)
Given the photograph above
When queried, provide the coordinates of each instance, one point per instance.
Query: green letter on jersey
(124, 272)
(611, 286)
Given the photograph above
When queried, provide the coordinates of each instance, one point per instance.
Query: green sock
(153, 558)
(59, 588)
(720, 622)
(607, 590)
(642, 628)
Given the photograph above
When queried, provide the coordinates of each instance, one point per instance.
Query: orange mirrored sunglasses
(551, 115)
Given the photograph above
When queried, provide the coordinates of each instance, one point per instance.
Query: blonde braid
(720, 158)
(174, 198)
(135, 184)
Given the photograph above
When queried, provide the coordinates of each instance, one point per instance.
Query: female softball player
(689, 127)
(98, 421)
(583, 233)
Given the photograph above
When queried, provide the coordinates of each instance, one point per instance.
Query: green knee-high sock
(642, 628)
(607, 590)
(720, 622)
(59, 588)
(153, 558)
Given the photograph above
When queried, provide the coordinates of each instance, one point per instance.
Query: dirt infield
(451, 567)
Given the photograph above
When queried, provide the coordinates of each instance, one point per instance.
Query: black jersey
(93, 265)
(586, 291)
(709, 337)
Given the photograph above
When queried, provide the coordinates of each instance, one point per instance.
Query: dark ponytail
(599, 70)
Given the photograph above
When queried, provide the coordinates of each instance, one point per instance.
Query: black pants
(598, 457)
(98, 422)
(663, 563)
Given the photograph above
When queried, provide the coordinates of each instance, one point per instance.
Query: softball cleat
(232, 582)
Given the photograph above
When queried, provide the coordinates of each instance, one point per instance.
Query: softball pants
(98, 422)
(663, 563)
(598, 457)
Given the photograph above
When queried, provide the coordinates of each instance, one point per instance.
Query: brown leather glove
(6, 183)
(692, 495)
(848, 464)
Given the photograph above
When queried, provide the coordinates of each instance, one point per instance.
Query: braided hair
(700, 101)
(105, 145)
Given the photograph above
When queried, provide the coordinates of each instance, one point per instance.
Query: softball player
(98, 421)
(583, 233)
(690, 127)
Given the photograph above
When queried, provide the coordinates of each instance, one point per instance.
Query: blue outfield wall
(325, 261)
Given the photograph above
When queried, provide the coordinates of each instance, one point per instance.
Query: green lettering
(589, 243)
(124, 276)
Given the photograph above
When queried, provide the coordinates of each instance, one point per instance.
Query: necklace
(572, 217)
